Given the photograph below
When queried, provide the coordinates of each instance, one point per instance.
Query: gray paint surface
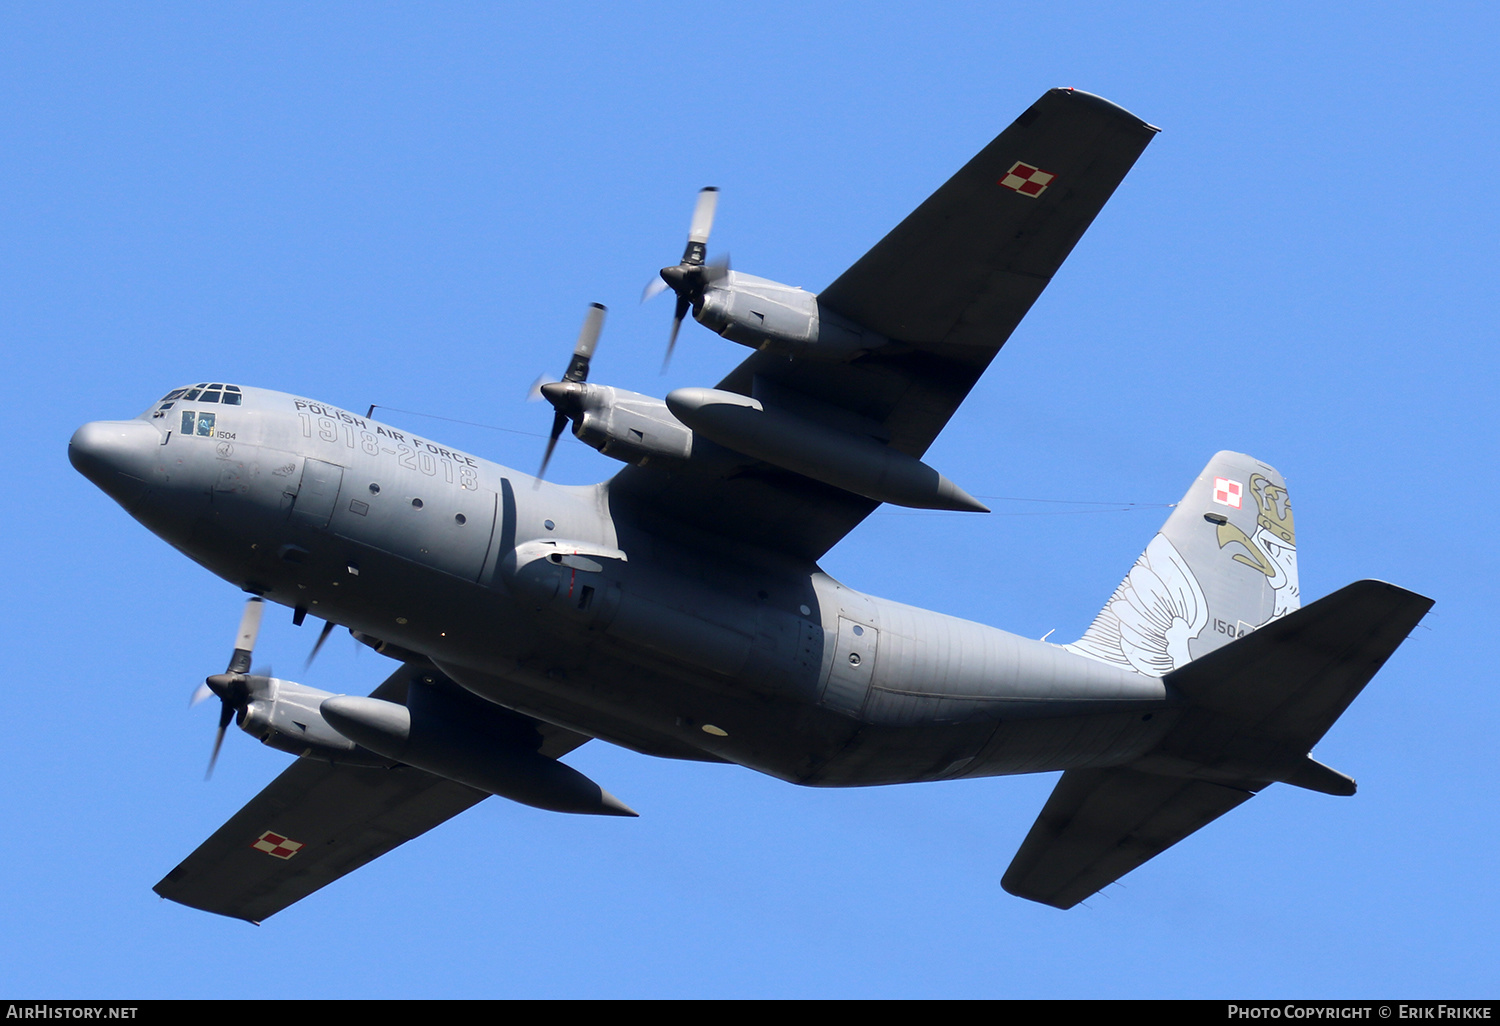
(679, 610)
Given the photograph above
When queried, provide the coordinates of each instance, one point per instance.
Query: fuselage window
(192, 394)
(231, 398)
(206, 424)
(176, 393)
(189, 421)
(209, 397)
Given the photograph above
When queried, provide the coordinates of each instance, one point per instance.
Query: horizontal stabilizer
(1252, 710)
(1100, 824)
(1294, 677)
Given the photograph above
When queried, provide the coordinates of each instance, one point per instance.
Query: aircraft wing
(948, 285)
(317, 822)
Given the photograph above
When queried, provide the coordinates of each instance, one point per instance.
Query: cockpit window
(230, 395)
(198, 423)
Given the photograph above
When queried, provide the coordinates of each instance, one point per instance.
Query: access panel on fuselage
(853, 667)
(317, 493)
(418, 512)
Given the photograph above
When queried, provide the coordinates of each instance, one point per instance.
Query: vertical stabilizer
(1223, 565)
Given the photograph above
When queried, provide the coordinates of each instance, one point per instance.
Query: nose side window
(189, 421)
(206, 424)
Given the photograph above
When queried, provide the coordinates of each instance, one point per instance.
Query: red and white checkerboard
(1027, 180)
(1227, 492)
(275, 844)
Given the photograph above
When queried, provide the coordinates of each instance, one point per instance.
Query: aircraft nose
(117, 455)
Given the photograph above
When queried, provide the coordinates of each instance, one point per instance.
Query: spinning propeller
(690, 278)
(564, 395)
(233, 685)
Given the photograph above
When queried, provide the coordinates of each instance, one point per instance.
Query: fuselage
(548, 600)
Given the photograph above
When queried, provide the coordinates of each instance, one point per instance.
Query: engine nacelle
(286, 716)
(848, 460)
(454, 735)
(765, 314)
(629, 426)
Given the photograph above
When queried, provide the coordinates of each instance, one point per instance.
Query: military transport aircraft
(678, 609)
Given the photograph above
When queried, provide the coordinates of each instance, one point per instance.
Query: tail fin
(1223, 565)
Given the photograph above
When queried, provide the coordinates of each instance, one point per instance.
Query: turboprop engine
(764, 314)
(439, 728)
(278, 713)
(754, 312)
(626, 425)
(285, 715)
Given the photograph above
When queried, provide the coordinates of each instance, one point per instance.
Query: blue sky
(412, 205)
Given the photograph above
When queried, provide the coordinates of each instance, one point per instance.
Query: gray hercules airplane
(678, 609)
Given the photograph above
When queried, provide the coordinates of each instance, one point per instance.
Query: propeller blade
(244, 643)
(682, 308)
(690, 278)
(201, 692)
(588, 340)
(571, 384)
(655, 287)
(233, 686)
(328, 626)
(559, 421)
(225, 716)
(702, 224)
(534, 393)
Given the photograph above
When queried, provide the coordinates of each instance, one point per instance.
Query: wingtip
(1100, 102)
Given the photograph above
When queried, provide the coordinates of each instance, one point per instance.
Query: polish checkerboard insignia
(1027, 180)
(275, 844)
(1228, 493)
